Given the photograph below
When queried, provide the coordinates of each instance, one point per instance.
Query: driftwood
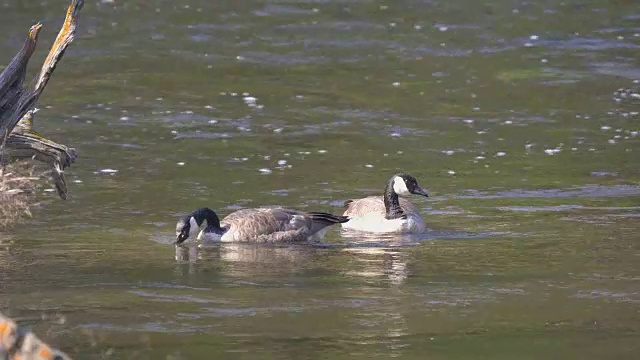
(17, 343)
(24, 143)
(17, 104)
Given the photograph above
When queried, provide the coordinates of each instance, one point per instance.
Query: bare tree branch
(17, 102)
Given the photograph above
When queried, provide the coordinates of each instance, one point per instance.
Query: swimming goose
(268, 224)
(387, 213)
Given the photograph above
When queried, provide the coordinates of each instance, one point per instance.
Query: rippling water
(505, 111)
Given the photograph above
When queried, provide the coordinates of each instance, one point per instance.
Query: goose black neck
(391, 202)
(207, 214)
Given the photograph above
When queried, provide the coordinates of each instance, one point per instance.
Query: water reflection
(379, 256)
(375, 257)
(371, 258)
(249, 261)
(379, 263)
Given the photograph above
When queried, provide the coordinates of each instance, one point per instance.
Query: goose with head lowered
(258, 225)
(388, 213)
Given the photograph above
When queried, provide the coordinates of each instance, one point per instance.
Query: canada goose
(268, 224)
(387, 213)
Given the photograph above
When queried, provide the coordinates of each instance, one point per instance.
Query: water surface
(505, 111)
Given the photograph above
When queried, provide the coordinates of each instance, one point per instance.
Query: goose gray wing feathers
(277, 224)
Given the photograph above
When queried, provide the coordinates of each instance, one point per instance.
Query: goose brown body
(276, 225)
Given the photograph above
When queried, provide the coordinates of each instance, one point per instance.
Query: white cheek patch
(193, 229)
(400, 187)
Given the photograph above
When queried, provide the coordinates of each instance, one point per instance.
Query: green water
(532, 253)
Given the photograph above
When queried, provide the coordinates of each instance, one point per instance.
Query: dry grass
(17, 192)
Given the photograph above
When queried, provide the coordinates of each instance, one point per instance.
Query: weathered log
(17, 103)
(24, 143)
(15, 100)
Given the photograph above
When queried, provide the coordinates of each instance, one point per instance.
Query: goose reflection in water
(251, 260)
(385, 259)
(379, 256)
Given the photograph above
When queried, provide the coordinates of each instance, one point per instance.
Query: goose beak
(420, 191)
(181, 238)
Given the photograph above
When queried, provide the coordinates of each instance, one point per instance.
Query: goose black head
(404, 184)
(190, 224)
